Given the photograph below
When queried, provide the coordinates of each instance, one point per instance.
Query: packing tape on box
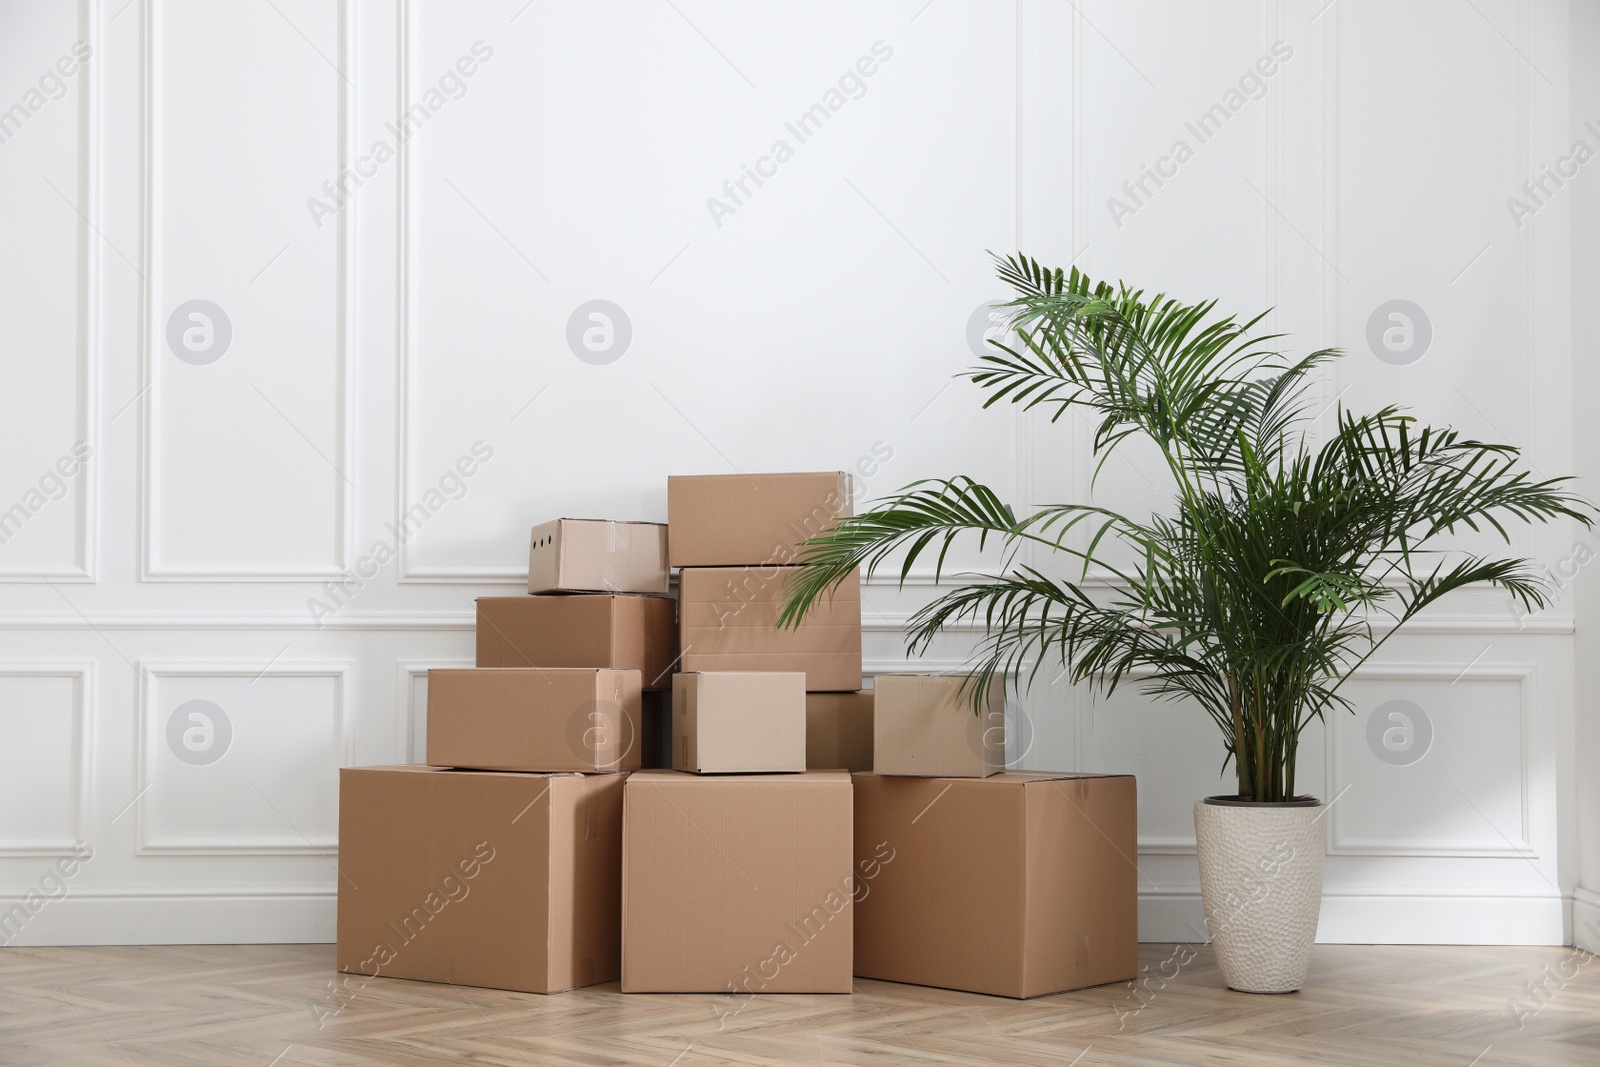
(616, 547)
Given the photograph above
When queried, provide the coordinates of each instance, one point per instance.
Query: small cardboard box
(532, 719)
(510, 881)
(737, 520)
(739, 722)
(624, 632)
(737, 885)
(597, 556)
(1018, 885)
(729, 622)
(839, 731)
(922, 724)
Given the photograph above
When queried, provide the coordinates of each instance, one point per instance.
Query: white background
(374, 345)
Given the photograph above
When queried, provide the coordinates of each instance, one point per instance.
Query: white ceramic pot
(1261, 881)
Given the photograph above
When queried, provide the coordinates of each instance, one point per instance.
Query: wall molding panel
(1342, 841)
(391, 328)
(153, 567)
(286, 836)
(80, 782)
(90, 211)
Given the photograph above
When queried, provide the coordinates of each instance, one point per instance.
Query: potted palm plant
(1284, 564)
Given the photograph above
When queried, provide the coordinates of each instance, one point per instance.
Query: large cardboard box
(729, 520)
(729, 622)
(737, 885)
(511, 881)
(739, 722)
(532, 719)
(922, 724)
(625, 632)
(1017, 885)
(839, 731)
(597, 556)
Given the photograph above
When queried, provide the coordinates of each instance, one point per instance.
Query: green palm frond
(1255, 598)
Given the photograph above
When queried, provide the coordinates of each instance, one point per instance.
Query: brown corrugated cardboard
(533, 719)
(510, 881)
(597, 556)
(739, 722)
(839, 731)
(737, 885)
(1017, 885)
(731, 520)
(729, 622)
(626, 632)
(922, 724)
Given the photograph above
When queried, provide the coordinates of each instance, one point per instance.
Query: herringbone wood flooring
(258, 1005)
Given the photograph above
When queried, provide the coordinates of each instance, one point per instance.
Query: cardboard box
(1018, 885)
(739, 722)
(510, 881)
(922, 724)
(733, 520)
(597, 556)
(839, 731)
(532, 719)
(737, 885)
(624, 632)
(729, 622)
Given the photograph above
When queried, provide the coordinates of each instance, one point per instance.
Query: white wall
(419, 320)
(1585, 207)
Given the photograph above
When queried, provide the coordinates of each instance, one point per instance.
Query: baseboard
(1381, 917)
(1586, 919)
(219, 917)
(305, 915)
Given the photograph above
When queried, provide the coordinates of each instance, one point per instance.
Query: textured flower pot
(1261, 882)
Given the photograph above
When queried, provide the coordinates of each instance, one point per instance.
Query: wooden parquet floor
(259, 1006)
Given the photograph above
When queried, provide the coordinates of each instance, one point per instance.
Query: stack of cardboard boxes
(737, 862)
(506, 869)
(740, 855)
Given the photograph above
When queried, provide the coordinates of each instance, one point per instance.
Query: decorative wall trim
(1184, 845)
(1585, 920)
(83, 720)
(407, 673)
(463, 620)
(1339, 842)
(91, 221)
(152, 569)
(1422, 915)
(304, 914)
(149, 737)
